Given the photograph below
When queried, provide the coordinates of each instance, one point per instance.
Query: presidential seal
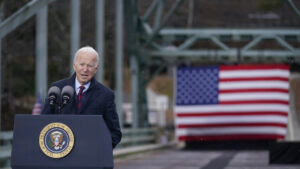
(56, 140)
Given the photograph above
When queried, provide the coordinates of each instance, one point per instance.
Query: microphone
(53, 93)
(67, 94)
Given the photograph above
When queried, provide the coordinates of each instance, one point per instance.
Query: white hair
(87, 49)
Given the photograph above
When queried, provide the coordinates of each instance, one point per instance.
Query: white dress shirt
(77, 86)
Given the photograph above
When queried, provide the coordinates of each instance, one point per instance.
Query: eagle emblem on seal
(56, 138)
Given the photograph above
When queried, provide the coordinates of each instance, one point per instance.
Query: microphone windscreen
(68, 90)
(54, 90)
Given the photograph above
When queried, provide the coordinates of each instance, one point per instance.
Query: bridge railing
(133, 137)
(6, 138)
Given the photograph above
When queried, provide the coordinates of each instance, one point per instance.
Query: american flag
(231, 102)
(37, 108)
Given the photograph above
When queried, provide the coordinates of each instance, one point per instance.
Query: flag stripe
(253, 96)
(263, 90)
(231, 137)
(255, 102)
(231, 125)
(253, 85)
(233, 108)
(232, 119)
(231, 114)
(253, 73)
(37, 108)
(285, 79)
(232, 130)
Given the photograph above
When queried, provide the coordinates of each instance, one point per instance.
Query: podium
(86, 139)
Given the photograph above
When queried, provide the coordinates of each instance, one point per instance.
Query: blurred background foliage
(266, 5)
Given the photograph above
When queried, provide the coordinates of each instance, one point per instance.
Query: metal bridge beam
(75, 30)
(119, 59)
(227, 31)
(293, 6)
(137, 62)
(1, 15)
(254, 37)
(41, 52)
(21, 16)
(100, 40)
(173, 54)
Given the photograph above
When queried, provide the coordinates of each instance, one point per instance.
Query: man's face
(85, 66)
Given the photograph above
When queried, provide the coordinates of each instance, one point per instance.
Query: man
(91, 96)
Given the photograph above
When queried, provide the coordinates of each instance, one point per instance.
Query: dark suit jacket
(97, 100)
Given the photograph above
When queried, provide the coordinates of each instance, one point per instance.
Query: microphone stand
(52, 104)
(52, 107)
(61, 106)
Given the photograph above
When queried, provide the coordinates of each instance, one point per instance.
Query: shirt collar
(77, 86)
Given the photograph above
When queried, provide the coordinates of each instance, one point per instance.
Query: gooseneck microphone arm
(53, 94)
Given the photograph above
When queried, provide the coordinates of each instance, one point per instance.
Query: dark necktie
(79, 97)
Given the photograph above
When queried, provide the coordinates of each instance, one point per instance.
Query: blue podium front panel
(91, 149)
